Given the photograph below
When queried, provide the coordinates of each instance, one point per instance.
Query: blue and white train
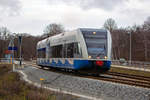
(83, 49)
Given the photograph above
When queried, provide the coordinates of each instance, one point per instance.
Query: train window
(76, 49)
(77, 53)
(64, 51)
(56, 51)
(41, 53)
(69, 50)
(50, 53)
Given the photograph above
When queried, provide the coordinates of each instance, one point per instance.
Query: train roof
(93, 29)
(79, 29)
(42, 43)
(68, 34)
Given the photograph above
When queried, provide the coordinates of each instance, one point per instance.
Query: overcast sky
(32, 16)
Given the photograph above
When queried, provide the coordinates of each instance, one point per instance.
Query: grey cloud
(89, 4)
(10, 7)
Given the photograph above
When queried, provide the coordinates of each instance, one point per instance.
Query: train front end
(98, 44)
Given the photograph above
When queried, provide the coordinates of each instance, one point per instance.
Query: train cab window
(96, 43)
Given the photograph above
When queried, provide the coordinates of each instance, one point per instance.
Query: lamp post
(20, 42)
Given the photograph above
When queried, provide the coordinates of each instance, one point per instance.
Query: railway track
(130, 76)
(133, 80)
(114, 77)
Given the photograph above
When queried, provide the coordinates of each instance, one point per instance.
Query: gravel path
(88, 87)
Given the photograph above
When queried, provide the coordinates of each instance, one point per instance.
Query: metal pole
(20, 55)
(145, 46)
(20, 42)
(13, 54)
(13, 51)
(130, 47)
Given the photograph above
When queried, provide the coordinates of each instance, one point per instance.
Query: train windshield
(96, 41)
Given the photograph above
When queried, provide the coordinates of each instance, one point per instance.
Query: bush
(12, 88)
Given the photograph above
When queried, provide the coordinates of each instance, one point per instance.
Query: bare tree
(146, 25)
(53, 28)
(4, 35)
(110, 24)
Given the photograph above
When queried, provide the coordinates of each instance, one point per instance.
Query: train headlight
(94, 33)
(89, 57)
(105, 57)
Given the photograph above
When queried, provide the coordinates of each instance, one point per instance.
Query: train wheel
(42, 67)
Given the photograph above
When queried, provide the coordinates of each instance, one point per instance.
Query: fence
(6, 60)
(10, 61)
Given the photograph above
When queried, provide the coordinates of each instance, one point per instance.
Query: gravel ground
(89, 87)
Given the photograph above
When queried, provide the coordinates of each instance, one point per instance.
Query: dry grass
(12, 88)
(130, 71)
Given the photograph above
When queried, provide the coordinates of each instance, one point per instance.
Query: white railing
(9, 60)
(6, 61)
